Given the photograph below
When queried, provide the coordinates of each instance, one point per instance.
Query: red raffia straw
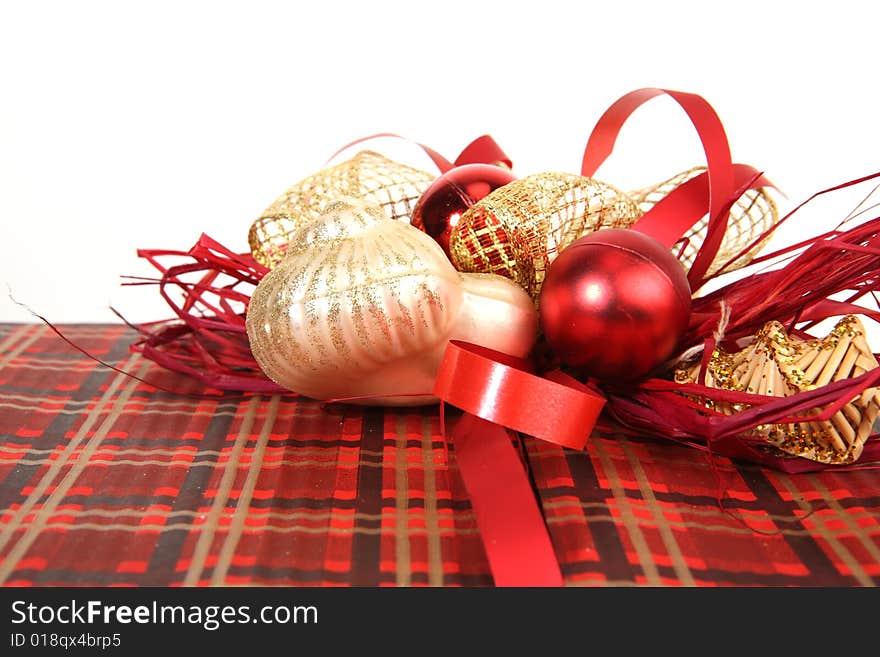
(209, 340)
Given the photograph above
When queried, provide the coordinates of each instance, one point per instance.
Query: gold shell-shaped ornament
(363, 306)
(369, 176)
(519, 229)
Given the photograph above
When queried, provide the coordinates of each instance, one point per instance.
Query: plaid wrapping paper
(105, 480)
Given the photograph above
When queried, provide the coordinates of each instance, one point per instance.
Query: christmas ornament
(751, 216)
(615, 304)
(363, 306)
(519, 229)
(780, 365)
(441, 206)
(368, 176)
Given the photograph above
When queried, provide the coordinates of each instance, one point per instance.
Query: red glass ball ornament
(615, 304)
(450, 195)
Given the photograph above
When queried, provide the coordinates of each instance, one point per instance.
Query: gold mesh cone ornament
(752, 215)
(519, 229)
(368, 176)
(780, 365)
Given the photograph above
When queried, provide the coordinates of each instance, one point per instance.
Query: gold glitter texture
(520, 228)
(373, 178)
(752, 214)
(776, 364)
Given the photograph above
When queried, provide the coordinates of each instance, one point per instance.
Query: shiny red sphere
(615, 304)
(449, 196)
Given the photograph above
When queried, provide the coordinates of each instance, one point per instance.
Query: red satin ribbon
(705, 120)
(499, 388)
(497, 391)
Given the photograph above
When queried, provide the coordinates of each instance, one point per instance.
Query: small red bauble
(449, 196)
(615, 304)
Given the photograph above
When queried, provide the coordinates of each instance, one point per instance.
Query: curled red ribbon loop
(499, 388)
(705, 120)
(499, 393)
(724, 182)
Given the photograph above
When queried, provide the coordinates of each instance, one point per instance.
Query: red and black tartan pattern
(105, 480)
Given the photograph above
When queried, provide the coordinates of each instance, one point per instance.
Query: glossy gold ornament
(518, 229)
(362, 305)
(752, 215)
(780, 365)
(368, 176)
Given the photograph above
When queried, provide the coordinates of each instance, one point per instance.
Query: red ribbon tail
(514, 535)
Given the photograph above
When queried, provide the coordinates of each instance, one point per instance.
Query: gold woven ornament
(368, 177)
(780, 365)
(752, 215)
(519, 229)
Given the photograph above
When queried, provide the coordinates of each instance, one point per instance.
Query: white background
(126, 125)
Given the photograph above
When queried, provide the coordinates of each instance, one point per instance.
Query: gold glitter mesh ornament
(368, 176)
(753, 214)
(519, 229)
(776, 364)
